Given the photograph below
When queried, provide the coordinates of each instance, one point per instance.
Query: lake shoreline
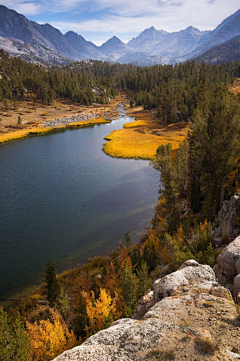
(39, 131)
(139, 139)
(27, 121)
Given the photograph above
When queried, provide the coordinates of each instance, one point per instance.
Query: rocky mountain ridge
(189, 315)
(150, 47)
(71, 45)
(227, 30)
(168, 46)
(114, 49)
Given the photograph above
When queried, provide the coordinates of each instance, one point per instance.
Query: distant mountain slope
(140, 58)
(87, 49)
(14, 25)
(227, 30)
(114, 49)
(181, 43)
(147, 38)
(167, 46)
(227, 52)
(33, 53)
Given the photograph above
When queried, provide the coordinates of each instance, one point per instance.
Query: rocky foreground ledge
(187, 316)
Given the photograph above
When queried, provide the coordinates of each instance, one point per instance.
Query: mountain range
(46, 44)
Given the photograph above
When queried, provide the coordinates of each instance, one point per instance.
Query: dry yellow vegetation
(25, 133)
(34, 115)
(140, 139)
(29, 132)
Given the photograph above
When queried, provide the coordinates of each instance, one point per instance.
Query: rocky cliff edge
(187, 316)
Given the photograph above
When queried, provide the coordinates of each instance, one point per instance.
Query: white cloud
(116, 7)
(24, 7)
(129, 8)
(111, 24)
(170, 2)
(180, 17)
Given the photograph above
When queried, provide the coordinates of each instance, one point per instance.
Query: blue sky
(99, 20)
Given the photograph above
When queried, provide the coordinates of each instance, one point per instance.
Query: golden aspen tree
(49, 339)
(180, 235)
(111, 280)
(99, 311)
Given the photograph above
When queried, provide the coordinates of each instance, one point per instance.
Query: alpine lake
(63, 198)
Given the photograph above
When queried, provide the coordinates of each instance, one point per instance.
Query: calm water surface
(63, 198)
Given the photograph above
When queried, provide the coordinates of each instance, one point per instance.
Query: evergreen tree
(128, 283)
(164, 162)
(53, 289)
(81, 318)
(63, 303)
(145, 282)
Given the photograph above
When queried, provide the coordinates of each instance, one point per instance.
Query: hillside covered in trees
(174, 90)
(195, 181)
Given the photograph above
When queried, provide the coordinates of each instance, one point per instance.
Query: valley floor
(34, 117)
(139, 139)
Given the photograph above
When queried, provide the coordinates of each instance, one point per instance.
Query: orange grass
(25, 133)
(136, 123)
(29, 132)
(140, 139)
(10, 131)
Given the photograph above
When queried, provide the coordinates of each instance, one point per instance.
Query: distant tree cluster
(176, 91)
(77, 82)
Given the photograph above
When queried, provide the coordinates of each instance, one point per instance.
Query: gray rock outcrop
(227, 227)
(167, 285)
(228, 264)
(236, 289)
(195, 319)
(145, 303)
(227, 268)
